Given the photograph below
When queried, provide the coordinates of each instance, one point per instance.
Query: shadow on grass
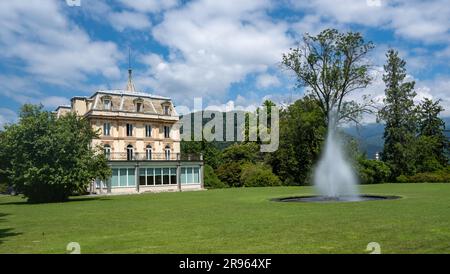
(6, 232)
(72, 200)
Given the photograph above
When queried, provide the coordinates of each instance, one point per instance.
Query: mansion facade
(139, 138)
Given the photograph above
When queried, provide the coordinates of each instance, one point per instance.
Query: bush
(373, 171)
(3, 188)
(211, 179)
(230, 174)
(258, 175)
(402, 179)
(440, 176)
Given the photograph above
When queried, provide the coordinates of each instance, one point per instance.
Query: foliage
(373, 171)
(332, 65)
(211, 155)
(302, 130)
(243, 152)
(230, 173)
(399, 115)
(424, 150)
(211, 179)
(51, 158)
(431, 136)
(258, 175)
(3, 188)
(439, 176)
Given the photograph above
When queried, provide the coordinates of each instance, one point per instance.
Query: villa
(138, 135)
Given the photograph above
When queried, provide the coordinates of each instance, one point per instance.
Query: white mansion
(140, 140)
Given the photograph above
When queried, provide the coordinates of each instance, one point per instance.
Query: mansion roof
(121, 101)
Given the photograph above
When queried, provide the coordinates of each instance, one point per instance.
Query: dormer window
(166, 110)
(139, 104)
(107, 103)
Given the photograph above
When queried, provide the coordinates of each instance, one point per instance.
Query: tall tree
(431, 129)
(399, 115)
(302, 131)
(333, 65)
(51, 158)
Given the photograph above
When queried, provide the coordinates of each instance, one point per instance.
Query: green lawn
(232, 221)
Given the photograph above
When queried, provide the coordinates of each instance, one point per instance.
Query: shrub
(211, 179)
(402, 179)
(3, 188)
(373, 171)
(244, 152)
(230, 174)
(258, 175)
(440, 176)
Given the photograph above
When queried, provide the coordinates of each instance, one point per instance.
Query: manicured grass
(232, 221)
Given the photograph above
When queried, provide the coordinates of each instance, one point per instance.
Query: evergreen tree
(399, 115)
(431, 133)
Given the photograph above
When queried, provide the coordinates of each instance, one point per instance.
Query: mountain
(370, 136)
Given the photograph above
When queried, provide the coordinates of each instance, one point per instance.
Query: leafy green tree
(399, 116)
(302, 131)
(211, 179)
(234, 158)
(51, 158)
(211, 154)
(230, 173)
(333, 65)
(431, 133)
(258, 175)
(372, 171)
(5, 163)
(241, 152)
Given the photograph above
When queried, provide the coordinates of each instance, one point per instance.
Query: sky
(226, 52)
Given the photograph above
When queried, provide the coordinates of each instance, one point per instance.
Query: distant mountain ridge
(370, 136)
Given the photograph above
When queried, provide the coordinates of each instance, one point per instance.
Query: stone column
(136, 177)
(179, 172)
(202, 180)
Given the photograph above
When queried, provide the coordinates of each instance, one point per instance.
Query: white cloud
(51, 47)
(427, 21)
(121, 19)
(213, 44)
(266, 80)
(150, 6)
(126, 19)
(7, 116)
(53, 101)
(25, 90)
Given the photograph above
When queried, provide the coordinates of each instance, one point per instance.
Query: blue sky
(227, 52)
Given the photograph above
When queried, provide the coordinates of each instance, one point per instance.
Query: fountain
(334, 177)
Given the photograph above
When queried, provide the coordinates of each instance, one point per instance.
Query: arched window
(107, 150)
(148, 152)
(129, 152)
(167, 153)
